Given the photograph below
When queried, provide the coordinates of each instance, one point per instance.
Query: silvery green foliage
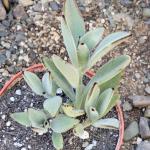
(93, 100)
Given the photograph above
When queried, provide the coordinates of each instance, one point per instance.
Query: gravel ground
(24, 42)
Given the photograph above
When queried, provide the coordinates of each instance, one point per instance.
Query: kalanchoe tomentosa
(93, 100)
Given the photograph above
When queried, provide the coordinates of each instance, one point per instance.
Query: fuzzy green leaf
(37, 117)
(112, 103)
(34, 82)
(83, 55)
(22, 118)
(70, 111)
(109, 123)
(112, 83)
(74, 20)
(107, 44)
(104, 101)
(111, 69)
(59, 78)
(69, 43)
(106, 73)
(52, 105)
(92, 38)
(92, 114)
(67, 70)
(47, 83)
(63, 123)
(57, 140)
(92, 96)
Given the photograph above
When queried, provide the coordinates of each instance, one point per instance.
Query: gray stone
(127, 106)
(54, 6)
(147, 112)
(137, 75)
(19, 12)
(126, 3)
(146, 12)
(38, 7)
(131, 131)
(140, 101)
(147, 90)
(2, 59)
(2, 11)
(20, 37)
(142, 39)
(26, 3)
(143, 146)
(144, 128)
(3, 33)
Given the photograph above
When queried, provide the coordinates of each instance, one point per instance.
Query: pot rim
(39, 68)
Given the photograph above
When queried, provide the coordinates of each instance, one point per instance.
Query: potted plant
(87, 103)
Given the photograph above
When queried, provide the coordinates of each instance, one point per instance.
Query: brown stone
(2, 11)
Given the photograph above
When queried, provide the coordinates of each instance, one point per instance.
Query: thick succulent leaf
(63, 123)
(59, 78)
(112, 83)
(40, 130)
(106, 73)
(70, 111)
(109, 123)
(83, 55)
(92, 38)
(104, 101)
(69, 43)
(74, 20)
(92, 97)
(112, 103)
(52, 105)
(47, 83)
(34, 82)
(67, 70)
(92, 114)
(57, 140)
(22, 118)
(37, 117)
(111, 69)
(106, 45)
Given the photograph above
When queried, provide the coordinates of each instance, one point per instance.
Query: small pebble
(3, 117)
(23, 148)
(8, 124)
(18, 92)
(12, 99)
(147, 90)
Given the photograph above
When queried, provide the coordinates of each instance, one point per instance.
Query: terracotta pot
(39, 68)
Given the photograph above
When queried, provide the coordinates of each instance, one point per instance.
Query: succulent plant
(93, 100)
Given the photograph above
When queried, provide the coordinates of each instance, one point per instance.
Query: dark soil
(16, 137)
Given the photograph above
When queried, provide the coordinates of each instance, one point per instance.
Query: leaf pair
(46, 87)
(32, 118)
(52, 105)
(108, 73)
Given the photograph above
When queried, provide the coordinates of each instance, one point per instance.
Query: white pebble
(3, 117)
(8, 124)
(139, 140)
(59, 91)
(102, 20)
(12, 99)
(18, 144)
(29, 146)
(23, 148)
(18, 92)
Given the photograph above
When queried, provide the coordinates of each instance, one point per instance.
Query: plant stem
(79, 90)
